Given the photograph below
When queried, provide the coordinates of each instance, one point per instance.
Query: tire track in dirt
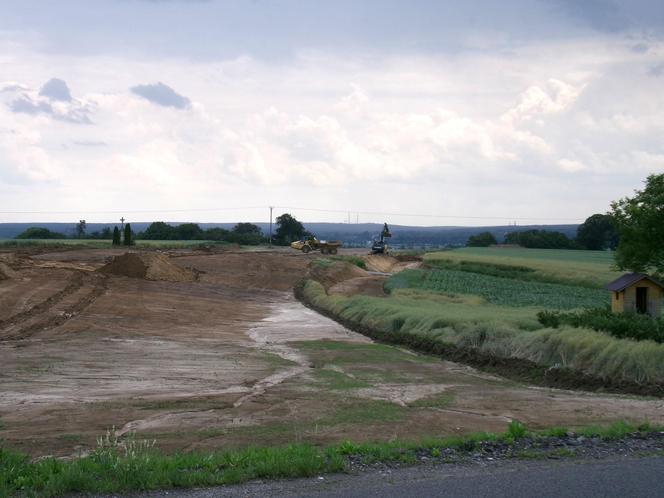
(74, 284)
(100, 285)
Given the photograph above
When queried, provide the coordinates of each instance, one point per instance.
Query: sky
(421, 112)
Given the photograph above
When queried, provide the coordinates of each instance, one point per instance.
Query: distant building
(636, 293)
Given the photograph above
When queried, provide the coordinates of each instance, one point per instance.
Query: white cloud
(318, 127)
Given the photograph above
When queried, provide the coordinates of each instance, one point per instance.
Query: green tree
(189, 231)
(598, 232)
(484, 239)
(247, 229)
(640, 224)
(246, 234)
(540, 239)
(216, 234)
(289, 229)
(40, 233)
(80, 229)
(127, 235)
(116, 236)
(159, 230)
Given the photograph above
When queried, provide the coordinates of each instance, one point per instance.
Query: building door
(642, 299)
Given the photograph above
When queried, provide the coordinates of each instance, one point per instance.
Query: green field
(500, 290)
(487, 300)
(591, 268)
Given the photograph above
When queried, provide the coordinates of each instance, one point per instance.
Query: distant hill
(351, 234)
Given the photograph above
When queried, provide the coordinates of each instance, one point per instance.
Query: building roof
(629, 279)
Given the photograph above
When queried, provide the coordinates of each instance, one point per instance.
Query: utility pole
(271, 208)
(122, 220)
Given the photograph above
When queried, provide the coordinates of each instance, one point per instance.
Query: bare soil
(231, 359)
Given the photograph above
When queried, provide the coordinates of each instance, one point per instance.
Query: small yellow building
(636, 293)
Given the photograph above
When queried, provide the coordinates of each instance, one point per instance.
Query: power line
(318, 210)
(139, 211)
(419, 215)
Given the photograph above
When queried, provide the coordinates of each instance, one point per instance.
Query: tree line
(288, 229)
(634, 227)
(598, 232)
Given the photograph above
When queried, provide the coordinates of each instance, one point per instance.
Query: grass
(354, 260)
(339, 381)
(356, 411)
(486, 301)
(442, 400)
(500, 290)
(117, 466)
(498, 331)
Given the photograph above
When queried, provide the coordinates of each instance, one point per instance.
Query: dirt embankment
(150, 266)
(330, 273)
(391, 264)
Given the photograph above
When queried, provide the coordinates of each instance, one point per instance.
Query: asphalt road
(642, 477)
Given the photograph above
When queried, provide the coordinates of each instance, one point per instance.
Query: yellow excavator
(311, 243)
(379, 246)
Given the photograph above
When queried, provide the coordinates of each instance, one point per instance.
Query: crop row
(502, 291)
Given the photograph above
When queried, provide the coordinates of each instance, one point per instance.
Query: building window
(617, 296)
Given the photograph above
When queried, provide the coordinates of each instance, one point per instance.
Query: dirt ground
(230, 358)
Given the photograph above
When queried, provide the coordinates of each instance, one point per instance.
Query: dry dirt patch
(233, 359)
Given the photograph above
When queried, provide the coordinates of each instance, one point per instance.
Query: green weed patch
(123, 466)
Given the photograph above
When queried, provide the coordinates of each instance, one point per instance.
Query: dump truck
(313, 244)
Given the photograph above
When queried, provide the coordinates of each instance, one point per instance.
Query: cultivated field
(210, 349)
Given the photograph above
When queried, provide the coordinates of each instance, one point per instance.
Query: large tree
(484, 239)
(640, 225)
(247, 229)
(189, 231)
(289, 229)
(158, 230)
(598, 232)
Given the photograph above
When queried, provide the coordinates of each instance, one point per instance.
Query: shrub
(621, 325)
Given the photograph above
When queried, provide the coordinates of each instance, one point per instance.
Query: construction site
(207, 349)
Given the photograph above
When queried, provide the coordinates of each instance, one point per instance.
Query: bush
(621, 325)
(40, 233)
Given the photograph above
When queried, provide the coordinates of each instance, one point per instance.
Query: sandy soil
(232, 359)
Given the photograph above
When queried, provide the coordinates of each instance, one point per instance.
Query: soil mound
(150, 266)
